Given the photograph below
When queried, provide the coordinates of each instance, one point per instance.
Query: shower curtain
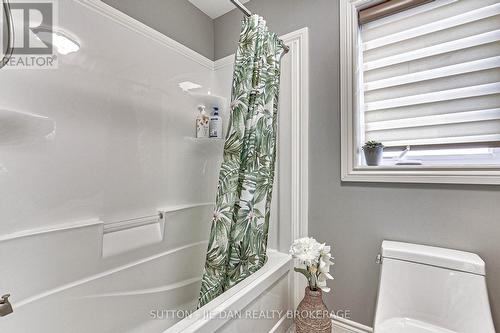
(240, 224)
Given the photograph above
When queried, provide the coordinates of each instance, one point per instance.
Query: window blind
(431, 75)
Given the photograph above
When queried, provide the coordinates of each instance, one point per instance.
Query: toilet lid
(435, 256)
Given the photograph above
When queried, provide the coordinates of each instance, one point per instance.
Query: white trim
(348, 59)
(136, 26)
(281, 325)
(426, 174)
(341, 325)
(349, 66)
(298, 41)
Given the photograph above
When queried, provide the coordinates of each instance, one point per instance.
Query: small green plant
(372, 144)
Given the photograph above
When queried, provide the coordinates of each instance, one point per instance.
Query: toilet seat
(408, 325)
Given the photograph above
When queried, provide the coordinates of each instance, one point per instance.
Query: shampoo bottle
(202, 123)
(216, 124)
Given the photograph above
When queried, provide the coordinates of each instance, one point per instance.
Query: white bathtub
(60, 281)
(257, 304)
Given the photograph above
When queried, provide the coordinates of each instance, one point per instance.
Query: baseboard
(341, 325)
(282, 325)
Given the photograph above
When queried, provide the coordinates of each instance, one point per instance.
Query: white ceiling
(215, 8)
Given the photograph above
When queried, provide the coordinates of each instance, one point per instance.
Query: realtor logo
(32, 29)
(30, 21)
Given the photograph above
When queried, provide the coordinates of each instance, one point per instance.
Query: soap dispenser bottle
(216, 124)
(202, 123)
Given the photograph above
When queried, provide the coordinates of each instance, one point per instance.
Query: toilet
(426, 289)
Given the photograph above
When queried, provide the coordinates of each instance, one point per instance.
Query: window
(424, 81)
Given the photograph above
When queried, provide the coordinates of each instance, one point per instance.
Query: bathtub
(261, 303)
(150, 289)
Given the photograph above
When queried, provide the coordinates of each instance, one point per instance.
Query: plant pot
(373, 156)
(312, 314)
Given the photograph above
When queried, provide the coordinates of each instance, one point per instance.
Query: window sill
(483, 175)
(351, 140)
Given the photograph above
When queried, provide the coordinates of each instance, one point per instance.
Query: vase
(312, 314)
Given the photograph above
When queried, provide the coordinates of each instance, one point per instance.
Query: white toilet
(427, 289)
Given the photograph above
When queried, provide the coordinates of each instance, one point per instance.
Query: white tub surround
(80, 236)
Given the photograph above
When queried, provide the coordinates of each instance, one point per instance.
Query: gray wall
(355, 218)
(178, 19)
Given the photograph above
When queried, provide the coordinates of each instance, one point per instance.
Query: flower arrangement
(317, 259)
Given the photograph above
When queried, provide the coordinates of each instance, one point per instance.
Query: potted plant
(312, 314)
(374, 151)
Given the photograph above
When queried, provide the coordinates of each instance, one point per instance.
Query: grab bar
(132, 223)
(116, 226)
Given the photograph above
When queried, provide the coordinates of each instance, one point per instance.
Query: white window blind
(431, 76)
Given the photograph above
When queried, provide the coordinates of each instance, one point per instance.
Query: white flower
(325, 262)
(322, 283)
(318, 260)
(324, 268)
(307, 250)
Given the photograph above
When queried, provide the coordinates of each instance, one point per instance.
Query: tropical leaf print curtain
(238, 237)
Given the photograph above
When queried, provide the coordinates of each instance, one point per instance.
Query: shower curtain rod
(248, 13)
(240, 6)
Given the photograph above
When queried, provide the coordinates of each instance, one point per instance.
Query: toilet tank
(432, 287)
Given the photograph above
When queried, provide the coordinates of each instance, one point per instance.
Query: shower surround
(104, 205)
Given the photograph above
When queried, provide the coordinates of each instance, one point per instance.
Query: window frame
(351, 170)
